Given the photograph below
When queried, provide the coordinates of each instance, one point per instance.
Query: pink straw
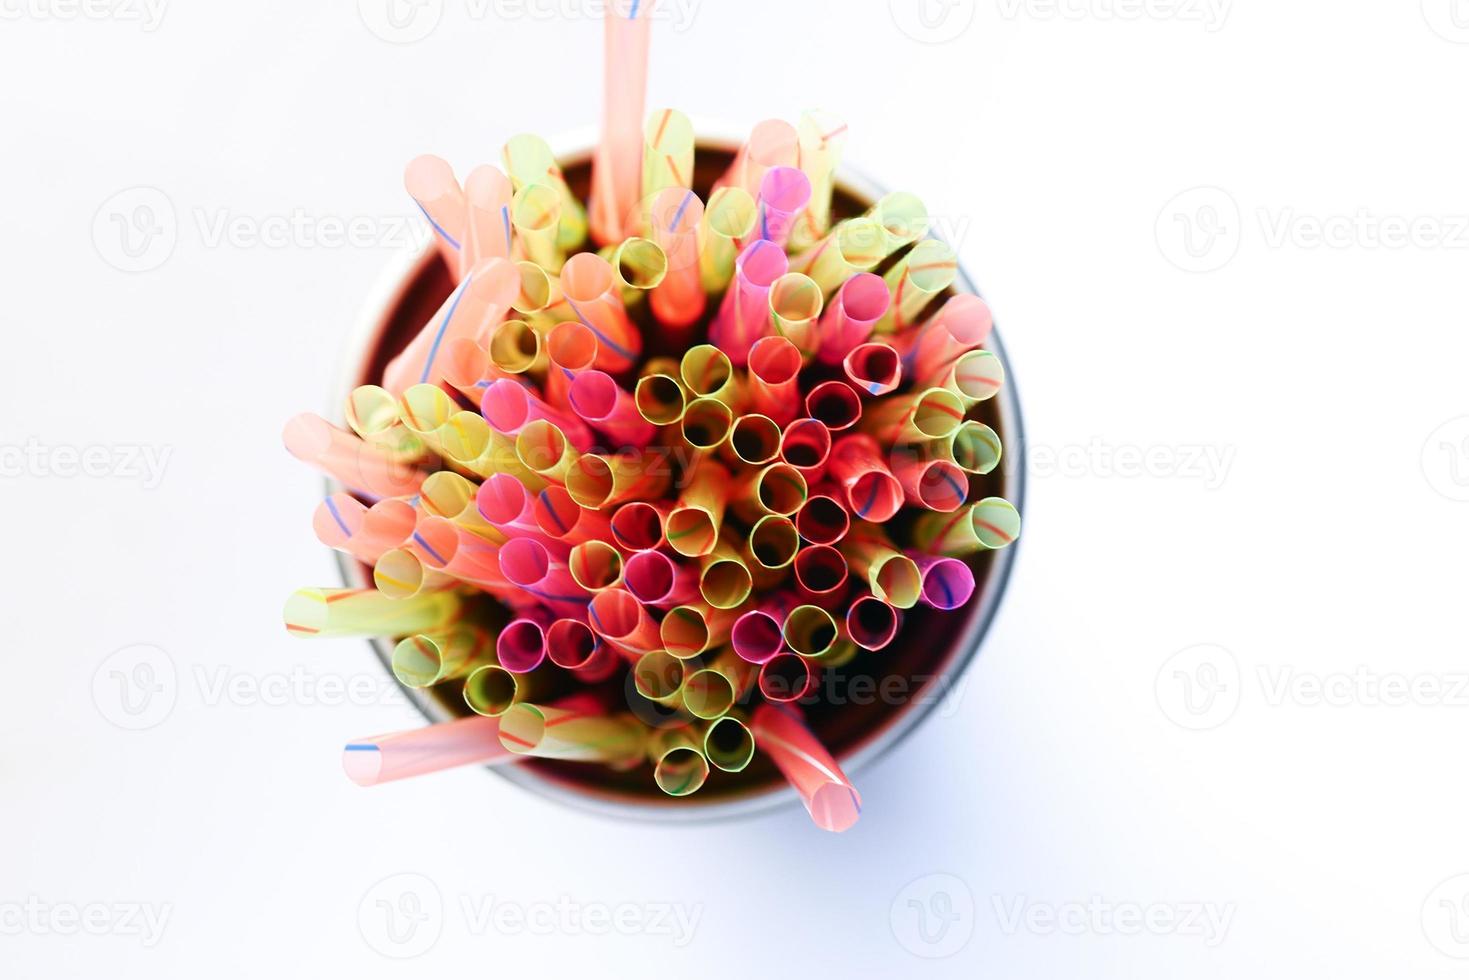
(834, 404)
(849, 320)
(821, 575)
(784, 194)
(962, 324)
(338, 524)
(823, 518)
(873, 368)
(774, 392)
(480, 302)
(510, 406)
(678, 301)
(871, 623)
(419, 751)
(786, 677)
(590, 289)
(744, 316)
(572, 349)
(430, 181)
(443, 546)
(527, 564)
(829, 796)
(639, 525)
(756, 636)
(873, 493)
(349, 460)
(521, 645)
(617, 165)
(947, 582)
(571, 645)
(487, 194)
(806, 445)
(610, 409)
(562, 518)
(656, 580)
(508, 506)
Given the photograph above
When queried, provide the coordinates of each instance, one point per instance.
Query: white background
(1323, 547)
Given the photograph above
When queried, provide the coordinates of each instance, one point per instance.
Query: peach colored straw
(834, 404)
(828, 795)
(962, 324)
(784, 193)
(528, 566)
(927, 270)
(854, 311)
(381, 759)
(668, 153)
(754, 440)
(607, 407)
(695, 628)
(590, 287)
(571, 645)
(947, 582)
(560, 517)
(480, 301)
(744, 316)
(430, 181)
(873, 368)
(617, 164)
(821, 574)
(820, 140)
(891, 575)
(338, 523)
(858, 467)
(854, 247)
(772, 143)
(367, 612)
(806, 445)
(786, 677)
(935, 484)
(823, 518)
(602, 481)
(773, 388)
(623, 622)
(655, 580)
(422, 660)
(487, 194)
(871, 623)
(509, 406)
(990, 524)
(571, 348)
(595, 565)
(446, 547)
(347, 459)
(679, 300)
(528, 160)
(729, 222)
(638, 525)
(464, 364)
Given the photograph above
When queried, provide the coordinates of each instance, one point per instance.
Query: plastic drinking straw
(639, 265)
(903, 217)
(668, 153)
(795, 309)
(706, 372)
(658, 676)
(872, 492)
(590, 287)
(561, 518)
(617, 163)
(783, 195)
(602, 481)
(692, 629)
(871, 623)
(338, 524)
(820, 138)
(756, 636)
(400, 574)
(850, 319)
(947, 582)
(975, 377)
(821, 574)
(487, 194)
(521, 646)
(430, 181)
(372, 412)
(674, 219)
(854, 247)
(754, 440)
(707, 693)
(367, 612)
(773, 389)
(465, 366)
(915, 417)
(656, 580)
(480, 301)
(607, 407)
(515, 348)
(772, 143)
(638, 525)
(679, 766)
(623, 622)
(529, 567)
(385, 758)
(446, 547)
(578, 735)
(772, 546)
(810, 631)
(528, 160)
(539, 291)
(834, 404)
(891, 575)
(724, 578)
(571, 348)
(806, 445)
(693, 524)
(535, 213)
(425, 407)
(927, 270)
(829, 796)
(491, 690)
(962, 324)
(509, 407)
(659, 399)
(706, 423)
(823, 518)
(447, 494)
(728, 744)
(744, 316)
(936, 484)
(571, 645)
(544, 450)
(786, 677)
(595, 565)
(974, 447)
(425, 659)
(873, 368)
(729, 221)
(508, 507)
(348, 460)
(990, 524)
(774, 489)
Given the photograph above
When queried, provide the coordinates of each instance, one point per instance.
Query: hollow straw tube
(773, 387)
(464, 364)
(430, 181)
(871, 623)
(744, 316)
(754, 440)
(510, 406)
(873, 368)
(590, 288)
(506, 505)
(707, 693)
(571, 348)
(528, 160)
(528, 566)
(668, 153)
(694, 522)
(571, 645)
(373, 413)
(974, 447)
(561, 518)
(772, 143)
(806, 445)
(491, 690)
(821, 574)
(795, 311)
(479, 302)
(487, 194)
(425, 659)
(535, 214)
(367, 612)
(975, 377)
(729, 222)
(638, 525)
(990, 524)
(823, 518)
(903, 217)
(829, 797)
(935, 484)
(834, 404)
(948, 583)
(891, 575)
(706, 372)
(810, 631)
(539, 290)
(656, 580)
(871, 490)
(728, 744)
(543, 449)
(724, 578)
(695, 628)
(399, 573)
(639, 265)
(927, 270)
(783, 194)
(444, 546)
(773, 489)
(600, 481)
(706, 424)
(786, 677)
(623, 622)
(679, 300)
(338, 524)
(595, 565)
(658, 677)
(820, 139)
(424, 408)
(771, 548)
(756, 636)
(679, 766)
(617, 161)
(962, 324)
(917, 416)
(521, 646)
(580, 735)
(607, 407)
(659, 399)
(449, 495)
(379, 759)
(854, 247)
(348, 459)
(515, 347)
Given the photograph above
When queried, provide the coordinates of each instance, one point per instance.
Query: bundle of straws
(628, 500)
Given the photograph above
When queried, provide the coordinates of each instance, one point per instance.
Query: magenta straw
(509, 407)
(948, 583)
(784, 194)
(571, 645)
(607, 407)
(834, 404)
(853, 312)
(806, 445)
(504, 502)
(744, 317)
(786, 677)
(873, 368)
(521, 646)
(871, 623)
(756, 636)
(654, 579)
(527, 564)
(638, 525)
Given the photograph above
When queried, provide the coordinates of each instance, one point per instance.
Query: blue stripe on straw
(363, 748)
(433, 351)
(681, 209)
(634, 14)
(554, 516)
(444, 234)
(437, 557)
(871, 501)
(340, 523)
(603, 338)
(505, 219)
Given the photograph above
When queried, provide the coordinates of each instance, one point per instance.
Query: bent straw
(528, 160)
(795, 310)
(430, 181)
(729, 221)
(367, 612)
(679, 300)
(974, 448)
(492, 690)
(772, 143)
(638, 525)
(422, 660)
(385, 758)
(623, 623)
(724, 578)
(527, 564)
(347, 459)
(810, 631)
(480, 301)
(693, 524)
(689, 630)
(728, 744)
(563, 519)
(487, 194)
(774, 489)
(535, 213)
(617, 162)
(849, 321)
(543, 448)
(872, 491)
(823, 518)
(658, 677)
(821, 574)
(655, 580)
(659, 399)
(915, 417)
(935, 484)
(668, 153)
(834, 404)
(773, 388)
(595, 565)
(607, 407)
(947, 582)
(577, 735)
(783, 194)
(598, 481)
(571, 645)
(509, 407)
(679, 766)
(754, 440)
(873, 368)
(975, 377)
(962, 324)
(806, 445)
(820, 140)
(571, 349)
(786, 677)
(744, 316)
(871, 623)
(853, 248)
(903, 217)
(829, 797)
(521, 646)
(756, 636)
(990, 524)
(891, 575)
(590, 288)
(927, 270)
